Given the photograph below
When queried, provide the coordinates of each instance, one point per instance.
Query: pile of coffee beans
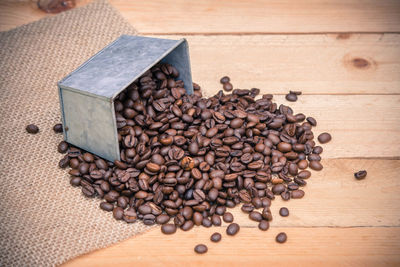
(185, 159)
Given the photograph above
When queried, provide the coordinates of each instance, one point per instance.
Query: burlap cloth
(44, 221)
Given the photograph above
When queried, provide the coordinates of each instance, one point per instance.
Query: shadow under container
(87, 94)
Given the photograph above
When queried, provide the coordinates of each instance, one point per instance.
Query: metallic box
(87, 94)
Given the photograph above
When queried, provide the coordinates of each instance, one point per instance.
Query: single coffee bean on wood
(291, 97)
(281, 237)
(200, 249)
(232, 229)
(32, 129)
(263, 225)
(215, 237)
(360, 174)
(324, 138)
(284, 212)
(227, 217)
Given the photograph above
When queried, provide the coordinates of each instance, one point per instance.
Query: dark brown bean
(281, 237)
(168, 228)
(232, 229)
(216, 237)
(200, 249)
(324, 138)
(360, 174)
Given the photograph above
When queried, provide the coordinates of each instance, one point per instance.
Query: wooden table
(345, 58)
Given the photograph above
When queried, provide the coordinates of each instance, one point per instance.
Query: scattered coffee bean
(284, 212)
(168, 228)
(215, 237)
(324, 138)
(360, 175)
(225, 79)
(291, 97)
(281, 237)
(32, 129)
(263, 225)
(227, 217)
(201, 249)
(58, 128)
(232, 229)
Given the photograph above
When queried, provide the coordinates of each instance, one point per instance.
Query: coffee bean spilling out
(360, 174)
(185, 158)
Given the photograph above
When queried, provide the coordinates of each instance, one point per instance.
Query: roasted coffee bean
(32, 129)
(62, 147)
(324, 138)
(255, 216)
(228, 86)
(304, 174)
(263, 225)
(247, 208)
(232, 229)
(278, 189)
(130, 216)
(58, 128)
(187, 225)
(227, 217)
(360, 174)
(118, 213)
(284, 212)
(168, 228)
(225, 79)
(106, 206)
(315, 165)
(297, 193)
(216, 220)
(216, 237)
(291, 97)
(281, 237)
(162, 219)
(206, 222)
(149, 219)
(200, 249)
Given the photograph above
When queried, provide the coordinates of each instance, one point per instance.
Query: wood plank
(252, 247)
(261, 16)
(314, 64)
(334, 198)
(360, 125)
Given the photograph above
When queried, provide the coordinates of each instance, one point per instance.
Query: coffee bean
(153, 167)
(284, 212)
(118, 213)
(255, 216)
(32, 129)
(187, 225)
(225, 79)
(162, 219)
(291, 97)
(228, 86)
(106, 206)
(263, 225)
(200, 249)
(216, 237)
(232, 229)
(168, 228)
(281, 238)
(216, 220)
(324, 138)
(206, 222)
(360, 174)
(227, 217)
(58, 128)
(62, 147)
(297, 193)
(315, 165)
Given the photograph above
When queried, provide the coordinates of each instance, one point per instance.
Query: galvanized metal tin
(87, 94)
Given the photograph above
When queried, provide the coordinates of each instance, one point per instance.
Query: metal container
(87, 94)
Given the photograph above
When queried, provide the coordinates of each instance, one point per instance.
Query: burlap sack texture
(43, 220)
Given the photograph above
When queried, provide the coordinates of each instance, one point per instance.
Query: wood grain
(261, 16)
(314, 64)
(252, 247)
